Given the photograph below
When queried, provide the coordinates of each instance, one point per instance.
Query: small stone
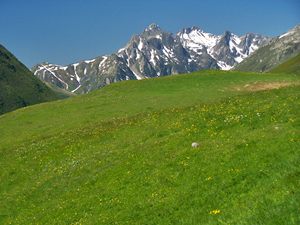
(195, 145)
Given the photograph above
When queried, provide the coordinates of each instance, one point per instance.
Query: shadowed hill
(18, 86)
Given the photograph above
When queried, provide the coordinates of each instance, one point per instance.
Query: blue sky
(66, 31)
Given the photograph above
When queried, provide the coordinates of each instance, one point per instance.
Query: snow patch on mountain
(140, 46)
(224, 66)
(195, 39)
(103, 61)
(90, 61)
(52, 72)
(138, 77)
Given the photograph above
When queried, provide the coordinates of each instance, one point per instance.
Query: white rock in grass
(195, 145)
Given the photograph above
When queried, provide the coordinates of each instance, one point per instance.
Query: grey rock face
(274, 53)
(153, 53)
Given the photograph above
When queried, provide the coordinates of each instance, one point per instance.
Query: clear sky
(66, 31)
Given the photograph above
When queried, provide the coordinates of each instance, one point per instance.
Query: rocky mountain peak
(153, 27)
(292, 35)
(226, 37)
(191, 29)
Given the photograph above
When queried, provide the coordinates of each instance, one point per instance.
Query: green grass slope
(18, 86)
(122, 154)
(291, 66)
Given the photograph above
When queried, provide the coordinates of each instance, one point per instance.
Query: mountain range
(153, 53)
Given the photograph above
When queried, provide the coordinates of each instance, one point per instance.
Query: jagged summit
(152, 30)
(152, 26)
(190, 29)
(227, 35)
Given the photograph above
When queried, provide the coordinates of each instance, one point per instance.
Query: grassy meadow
(123, 155)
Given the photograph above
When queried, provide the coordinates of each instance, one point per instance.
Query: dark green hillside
(290, 66)
(123, 155)
(18, 86)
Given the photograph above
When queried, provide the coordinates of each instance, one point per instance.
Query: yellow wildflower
(215, 212)
(209, 178)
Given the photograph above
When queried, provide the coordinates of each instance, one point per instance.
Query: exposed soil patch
(256, 86)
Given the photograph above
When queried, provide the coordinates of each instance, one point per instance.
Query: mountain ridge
(153, 53)
(277, 51)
